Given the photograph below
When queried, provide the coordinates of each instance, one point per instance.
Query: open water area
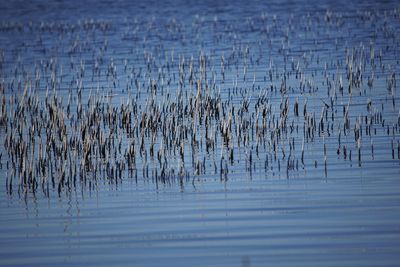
(221, 133)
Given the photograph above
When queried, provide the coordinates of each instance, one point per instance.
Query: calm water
(258, 212)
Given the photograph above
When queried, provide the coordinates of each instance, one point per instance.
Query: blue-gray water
(258, 212)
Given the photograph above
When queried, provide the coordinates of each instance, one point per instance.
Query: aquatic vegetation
(171, 101)
(184, 133)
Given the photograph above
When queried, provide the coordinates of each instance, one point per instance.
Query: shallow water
(344, 213)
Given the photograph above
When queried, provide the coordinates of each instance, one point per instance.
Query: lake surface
(215, 166)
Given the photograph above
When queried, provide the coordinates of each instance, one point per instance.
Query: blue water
(344, 214)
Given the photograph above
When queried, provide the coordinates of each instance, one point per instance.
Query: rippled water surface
(259, 208)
